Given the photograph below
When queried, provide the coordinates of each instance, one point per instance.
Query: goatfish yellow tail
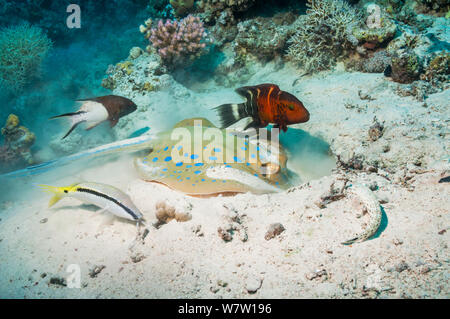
(59, 192)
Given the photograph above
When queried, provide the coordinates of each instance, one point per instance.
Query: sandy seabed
(407, 258)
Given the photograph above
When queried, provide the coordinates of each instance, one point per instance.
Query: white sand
(408, 258)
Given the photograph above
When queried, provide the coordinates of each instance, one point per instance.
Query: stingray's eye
(291, 107)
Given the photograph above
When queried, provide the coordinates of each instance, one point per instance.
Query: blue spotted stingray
(219, 164)
(225, 163)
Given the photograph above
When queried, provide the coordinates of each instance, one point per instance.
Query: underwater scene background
(335, 185)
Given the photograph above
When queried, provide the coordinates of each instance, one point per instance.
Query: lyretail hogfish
(96, 110)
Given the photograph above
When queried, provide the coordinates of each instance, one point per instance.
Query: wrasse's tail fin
(231, 113)
(75, 118)
(58, 193)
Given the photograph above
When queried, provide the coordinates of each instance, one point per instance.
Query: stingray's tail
(128, 145)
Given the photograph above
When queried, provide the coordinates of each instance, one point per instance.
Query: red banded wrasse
(265, 104)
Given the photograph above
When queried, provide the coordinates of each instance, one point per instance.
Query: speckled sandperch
(373, 208)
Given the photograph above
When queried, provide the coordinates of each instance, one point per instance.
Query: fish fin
(71, 129)
(92, 125)
(251, 124)
(67, 114)
(113, 122)
(231, 113)
(58, 192)
(243, 91)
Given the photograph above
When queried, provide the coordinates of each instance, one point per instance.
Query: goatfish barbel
(96, 110)
(265, 104)
(107, 197)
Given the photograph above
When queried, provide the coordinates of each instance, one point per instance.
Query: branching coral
(177, 43)
(22, 50)
(323, 34)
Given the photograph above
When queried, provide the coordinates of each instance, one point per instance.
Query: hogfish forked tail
(96, 110)
(129, 145)
(373, 208)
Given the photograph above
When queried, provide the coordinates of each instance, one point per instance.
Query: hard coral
(177, 43)
(223, 10)
(264, 45)
(438, 69)
(374, 31)
(182, 7)
(406, 67)
(22, 50)
(323, 34)
(18, 141)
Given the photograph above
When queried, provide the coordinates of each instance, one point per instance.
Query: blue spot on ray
(198, 164)
(179, 164)
(168, 158)
(155, 159)
(194, 156)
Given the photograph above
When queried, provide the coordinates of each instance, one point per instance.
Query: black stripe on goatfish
(115, 201)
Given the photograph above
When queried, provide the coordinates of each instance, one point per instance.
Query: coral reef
(222, 11)
(368, 61)
(22, 50)
(438, 70)
(139, 73)
(268, 44)
(406, 67)
(181, 7)
(177, 43)
(17, 143)
(323, 34)
(372, 33)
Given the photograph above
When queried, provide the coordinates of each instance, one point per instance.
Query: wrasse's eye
(291, 107)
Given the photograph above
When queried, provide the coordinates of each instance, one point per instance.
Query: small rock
(222, 283)
(442, 232)
(137, 258)
(58, 281)
(252, 284)
(316, 274)
(397, 242)
(224, 234)
(401, 266)
(96, 270)
(197, 230)
(43, 220)
(376, 130)
(274, 230)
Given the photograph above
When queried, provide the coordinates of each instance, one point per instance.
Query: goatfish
(265, 104)
(107, 197)
(96, 110)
